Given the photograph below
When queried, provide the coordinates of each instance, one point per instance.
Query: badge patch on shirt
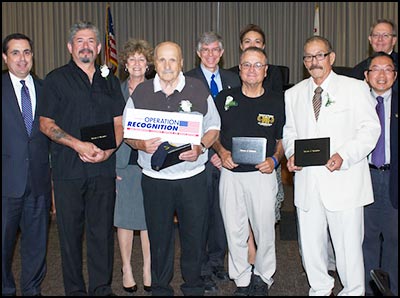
(265, 119)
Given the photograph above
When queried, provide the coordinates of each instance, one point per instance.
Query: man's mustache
(312, 67)
(86, 50)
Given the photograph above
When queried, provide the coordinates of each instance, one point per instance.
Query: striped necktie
(26, 105)
(317, 101)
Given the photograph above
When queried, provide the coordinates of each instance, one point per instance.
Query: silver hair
(208, 38)
(82, 25)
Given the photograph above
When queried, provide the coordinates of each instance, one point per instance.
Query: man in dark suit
(26, 187)
(381, 217)
(382, 38)
(210, 50)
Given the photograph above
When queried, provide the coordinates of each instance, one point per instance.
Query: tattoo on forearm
(57, 134)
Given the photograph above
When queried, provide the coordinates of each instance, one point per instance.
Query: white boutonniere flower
(329, 100)
(229, 102)
(185, 106)
(105, 71)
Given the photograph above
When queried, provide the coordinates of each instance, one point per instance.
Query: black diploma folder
(102, 135)
(249, 150)
(311, 152)
(167, 155)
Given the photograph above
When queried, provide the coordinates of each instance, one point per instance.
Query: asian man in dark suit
(381, 217)
(210, 49)
(26, 186)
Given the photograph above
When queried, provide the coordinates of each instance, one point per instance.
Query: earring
(147, 68)
(126, 69)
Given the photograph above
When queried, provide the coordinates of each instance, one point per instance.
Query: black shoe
(220, 273)
(147, 288)
(131, 289)
(209, 284)
(258, 287)
(242, 291)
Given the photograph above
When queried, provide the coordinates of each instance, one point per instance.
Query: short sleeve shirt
(73, 102)
(147, 95)
(262, 116)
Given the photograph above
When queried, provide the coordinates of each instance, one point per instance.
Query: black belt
(382, 168)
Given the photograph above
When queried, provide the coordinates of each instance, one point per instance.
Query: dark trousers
(216, 246)
(30, 214)
(381, 242)
(86, 205)
(188, 197)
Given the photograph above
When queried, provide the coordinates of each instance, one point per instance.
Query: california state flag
(317, 30)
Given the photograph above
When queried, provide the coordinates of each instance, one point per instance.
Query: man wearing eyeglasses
(381, 217)
(382, 38)
(210, 49)
(331, 196)
(248, 191)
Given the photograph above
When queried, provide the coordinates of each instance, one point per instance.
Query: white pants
(347, 229)
(243, 197)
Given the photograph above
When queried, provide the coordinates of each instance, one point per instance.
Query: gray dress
(129, 210)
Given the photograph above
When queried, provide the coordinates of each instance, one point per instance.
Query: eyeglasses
(378, 70)
(319, 57)
(208, 51)
(384, 36)
(247, 65)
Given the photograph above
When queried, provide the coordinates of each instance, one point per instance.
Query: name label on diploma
(311, 152)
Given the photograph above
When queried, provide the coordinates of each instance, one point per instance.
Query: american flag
(111, 58)
(189, 127)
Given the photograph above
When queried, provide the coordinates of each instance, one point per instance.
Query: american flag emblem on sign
(189, 127)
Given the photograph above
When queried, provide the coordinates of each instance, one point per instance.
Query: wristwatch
(203, 148)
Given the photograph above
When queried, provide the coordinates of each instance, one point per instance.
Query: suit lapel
(38, 93)
(12, 102)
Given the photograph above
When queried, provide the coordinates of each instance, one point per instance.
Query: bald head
(168, 46)
(168, 61)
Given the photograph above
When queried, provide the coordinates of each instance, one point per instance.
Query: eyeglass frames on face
(319, 57)
(248, 65)
(384, 36)
(208, 51)
(378, 70)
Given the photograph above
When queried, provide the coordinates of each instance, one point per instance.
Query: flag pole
(106, 45)
(317, 29)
